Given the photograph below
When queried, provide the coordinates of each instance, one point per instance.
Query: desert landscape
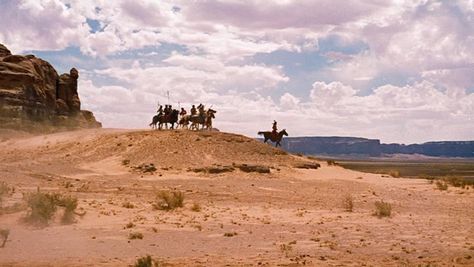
(244, 203)
(236, 133)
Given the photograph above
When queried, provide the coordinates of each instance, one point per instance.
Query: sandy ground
(288, 217)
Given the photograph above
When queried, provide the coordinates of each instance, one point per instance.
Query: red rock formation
(33, 95)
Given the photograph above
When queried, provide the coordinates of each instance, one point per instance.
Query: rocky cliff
(34, 97)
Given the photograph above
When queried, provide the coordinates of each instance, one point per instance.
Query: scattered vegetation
(135, 235)
(128, 205)
(382, 209)
(125, 162)
(43, 206)
(348, 203)
(147, 261)
(441, 185)
(230, 234)
(4, 233)
(331, 162)
(166, 200)
(145, 168)
(69, 204)
(196, 207)
(129, 225)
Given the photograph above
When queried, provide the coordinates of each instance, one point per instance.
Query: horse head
(283, 132)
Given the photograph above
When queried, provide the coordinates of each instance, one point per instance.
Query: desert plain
(245, 203)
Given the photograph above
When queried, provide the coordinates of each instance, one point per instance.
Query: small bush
(146, 261)
(230, 234)
(69, 204)
(455, 181)
(166, 200)
(128, 205)
(394, 174)
(42, 207)
(129, 225)
(441, 185)
(382, 209)
(331, 162)
(196, 207)
(348, 203)
(135, 235)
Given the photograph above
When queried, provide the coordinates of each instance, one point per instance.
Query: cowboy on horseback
(274, 129)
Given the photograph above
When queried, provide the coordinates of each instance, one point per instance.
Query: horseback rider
(183, 112)
(202, 112)
(160, 110)
(193, 111)
(274, 128)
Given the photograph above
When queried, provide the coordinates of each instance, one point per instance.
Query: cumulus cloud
(411, 79)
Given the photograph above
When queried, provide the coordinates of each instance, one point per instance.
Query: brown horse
(274, 138)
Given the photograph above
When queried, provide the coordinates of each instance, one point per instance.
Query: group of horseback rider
(199, 117)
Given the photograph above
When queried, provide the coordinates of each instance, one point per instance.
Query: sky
(399, 71)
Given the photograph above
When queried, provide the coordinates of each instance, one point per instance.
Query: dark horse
(274, 138)
(171, 118)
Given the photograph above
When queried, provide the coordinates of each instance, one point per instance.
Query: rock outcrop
(34, 97)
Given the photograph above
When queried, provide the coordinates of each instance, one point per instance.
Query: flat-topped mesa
(33, 96)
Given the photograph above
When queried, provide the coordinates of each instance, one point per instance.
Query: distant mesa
(33, 97)
(355, 146)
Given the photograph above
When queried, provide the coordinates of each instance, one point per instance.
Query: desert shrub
(69, 203)
(4, 233)
(196, 207)
(348, 203)
(230, 234)
(135, 235)
(42, 207)
(441, 185)
(455, 181)
(146, 261)
(128, 205)
(394, 173)
(166, 200)
(129, 225)
(331, 162)
(382, 209)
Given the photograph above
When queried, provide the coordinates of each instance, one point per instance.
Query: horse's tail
(260, 133)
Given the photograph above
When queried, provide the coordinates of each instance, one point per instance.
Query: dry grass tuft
(135, 235)
(196, 207)
(348, 203)
(441, 185)
(166, 200)
(382, 209)
(146, 261)
(394, 174)
(230, 234)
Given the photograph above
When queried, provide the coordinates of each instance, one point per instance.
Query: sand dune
(288, 216)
